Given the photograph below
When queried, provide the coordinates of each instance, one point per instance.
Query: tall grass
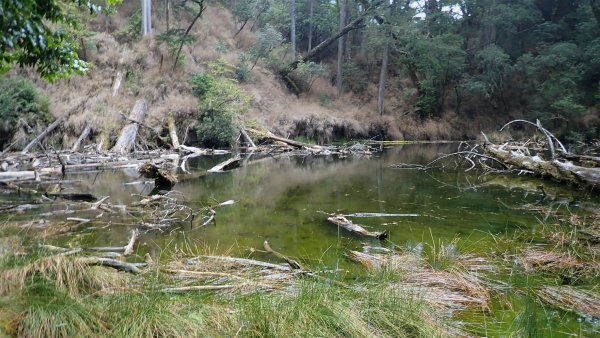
(57, 296)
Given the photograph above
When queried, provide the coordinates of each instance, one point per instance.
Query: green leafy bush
(21, 107)
(222, 101)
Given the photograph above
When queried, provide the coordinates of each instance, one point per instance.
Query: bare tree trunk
(293, 33)
(340, 55)
(310, 25)
(172, 130)
(129, 132)
(382, 79)
(117, 83)
(167, 12)
(144, 17)
(84, 135)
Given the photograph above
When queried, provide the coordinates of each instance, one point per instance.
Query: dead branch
(291, 262)
(348, 225)
(128, 249)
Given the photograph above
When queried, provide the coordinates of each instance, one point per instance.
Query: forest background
(313, 70)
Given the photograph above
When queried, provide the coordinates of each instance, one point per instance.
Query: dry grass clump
(228, 274)
(571, 299)
(451, 289)
(534, 259)
(69, 274)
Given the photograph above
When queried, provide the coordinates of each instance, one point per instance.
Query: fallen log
(231, 163)
(84, 135)
(43, 134)
(113, 263)
(126, 140)
(347, 224)
(201, 288)
(18, 175)
(239, 261)
(556, 169)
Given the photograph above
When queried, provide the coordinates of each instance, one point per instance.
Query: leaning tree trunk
(129, 132)
(187, 31)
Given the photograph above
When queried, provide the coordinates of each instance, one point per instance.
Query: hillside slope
(143, 67)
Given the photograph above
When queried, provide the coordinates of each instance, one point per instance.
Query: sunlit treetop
(34, 33)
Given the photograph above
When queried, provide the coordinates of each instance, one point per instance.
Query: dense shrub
(222, 102)
(22, 107)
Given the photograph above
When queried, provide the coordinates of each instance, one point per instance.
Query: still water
(282, 199)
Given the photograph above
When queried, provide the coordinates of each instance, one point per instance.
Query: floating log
(85, 197)
(231, 163)
(202, 151)
(129, 132)
(162, 178)
(377, 214)
(347, 224)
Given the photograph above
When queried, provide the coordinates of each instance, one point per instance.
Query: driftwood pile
(546, 159)
(552, 161)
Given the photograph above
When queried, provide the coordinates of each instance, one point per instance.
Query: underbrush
(23, 110)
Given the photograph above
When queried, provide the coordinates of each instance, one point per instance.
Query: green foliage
(355, 77)
(131, 32)
(36, 34)
(21, 106)
(222, 101)
(267, 39)
(309, 72)
(175, 37)
(325, 100)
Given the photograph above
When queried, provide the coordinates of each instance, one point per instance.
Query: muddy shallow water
(282, 199)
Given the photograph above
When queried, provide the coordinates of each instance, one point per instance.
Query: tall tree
(146, 17)
(293, 32)
(310, 24)
(340, 53)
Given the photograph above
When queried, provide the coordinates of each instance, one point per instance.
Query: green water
(280, 200)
